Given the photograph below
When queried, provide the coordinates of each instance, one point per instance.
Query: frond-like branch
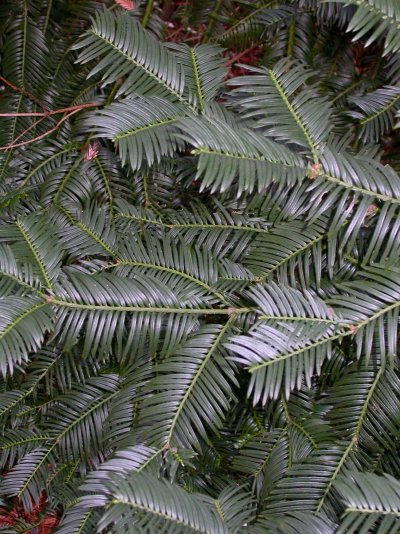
(377, 19)
(290, 341)
(194, 388)
(371, 501)
(239, 157)
(142, 128)
(23, 324)
(127, 51)
(151, 504)
(284, 105)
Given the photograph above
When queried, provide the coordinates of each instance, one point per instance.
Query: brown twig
(174, 33)
(28, 129)
(24, 92)
(239, 55)
(168, 10)
(41, 136)
(53, 112)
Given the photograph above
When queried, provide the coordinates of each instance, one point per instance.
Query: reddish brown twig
(236, 57)
(41, 136)
(68, 112)
(28, 129)
(168, 10)
(53, 112)
(24, 92)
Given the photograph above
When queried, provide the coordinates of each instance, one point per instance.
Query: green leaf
(376, 112)
(194, 387)
(140, 501)
(142, 128)
(377, 19)
(25, 55)
(239, 157)
(371, 304)
(104, 306)
(34, 245)
(205, 71)
(23, 324)
(284, 106)
(127, 51)
(371, 501)
(290, 341)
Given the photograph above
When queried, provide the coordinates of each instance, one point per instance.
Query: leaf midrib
(196, 377)
(157, 513)
(146, 69)
(148, 126)
(294, 114)
(354, 440)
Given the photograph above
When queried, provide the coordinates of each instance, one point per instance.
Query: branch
(240, 54)
(41, 136)
(28, 129)
(54, 112)
(24, 92)
(68, 112)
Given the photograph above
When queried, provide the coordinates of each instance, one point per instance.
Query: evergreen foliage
(199, 266)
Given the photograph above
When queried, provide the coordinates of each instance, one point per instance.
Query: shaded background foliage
(199, 266)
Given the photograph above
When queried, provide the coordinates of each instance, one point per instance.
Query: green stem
(294, 114)
(46, 22)
(147, 13)
(168, 270)
(354, 440)
(291, 36)
(194, 380)
(212, 18)
(193, 225)
(150, 309)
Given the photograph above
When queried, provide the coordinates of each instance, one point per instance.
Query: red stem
(24, 92)
(239, 55)
(41, 136)
(54, 112)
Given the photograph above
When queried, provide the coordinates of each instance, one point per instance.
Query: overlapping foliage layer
(199, 266)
